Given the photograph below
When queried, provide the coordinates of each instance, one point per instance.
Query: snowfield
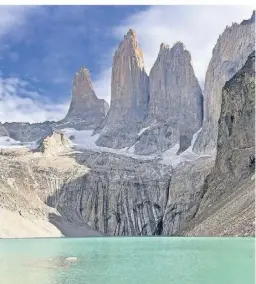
(7, 142)
(83, 139)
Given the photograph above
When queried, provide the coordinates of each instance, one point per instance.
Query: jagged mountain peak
(130, 34)
(129, 95)
(228, 56)
(164, 46)
(82, 83)
(86, 111)
(179, 45)
(83, 70)
(175, 101)
(130, 47)
(178, 50)
(249, 21)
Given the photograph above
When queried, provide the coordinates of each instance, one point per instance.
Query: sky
(41, 48)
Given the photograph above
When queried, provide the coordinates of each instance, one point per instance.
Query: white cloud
(17, 101)
(198, 27)
(13, 17)
(30, 107)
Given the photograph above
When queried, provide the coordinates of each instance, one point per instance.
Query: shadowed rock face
(3, 131)
(175, 101)
(229, 55)
(118, 195)
(229, 199)
(129, 95)
(28, 132)
(86, 110)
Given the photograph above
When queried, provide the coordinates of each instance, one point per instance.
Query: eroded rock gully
(123, 196)
(84, 192)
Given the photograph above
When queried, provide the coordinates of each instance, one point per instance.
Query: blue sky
(55, 41)
(42, 47)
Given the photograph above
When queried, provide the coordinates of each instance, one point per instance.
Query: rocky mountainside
(86, 111)
(138, 174)
(175, 102)
(54, 144)
(28, 132)
(129, 96)
(3, 131)
(229, 55)
(228, 204)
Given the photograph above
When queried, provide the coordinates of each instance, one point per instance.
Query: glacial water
(128, 260)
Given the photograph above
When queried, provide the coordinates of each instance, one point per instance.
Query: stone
(114, 194)
(229, 188)
(129, 96)
(86, 111)
(229, 55)
(28, 132)
(54, 144)
(175, 104)
(3, 131)
(71, 258)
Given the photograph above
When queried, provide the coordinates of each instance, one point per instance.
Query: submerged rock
(71, 258)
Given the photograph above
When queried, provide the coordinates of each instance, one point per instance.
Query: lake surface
(128, 260)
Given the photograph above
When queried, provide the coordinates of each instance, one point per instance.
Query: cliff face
(117, 194)
(176, 102)
(229, 197)
(3, 131)
(175, 94)
(27, 178)
(129, 95)
(229, 55)
(86, 111)
(109, 193)
(28, 132)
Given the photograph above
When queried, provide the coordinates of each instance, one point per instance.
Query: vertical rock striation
(86, 111)
(228, 205)
(228, 56)
(129, 95)
(175, 105)
(119, 196)
(3, 131)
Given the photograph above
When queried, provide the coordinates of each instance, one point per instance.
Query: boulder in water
(71, 258)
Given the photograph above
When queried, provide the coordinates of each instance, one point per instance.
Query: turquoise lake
(128, 260)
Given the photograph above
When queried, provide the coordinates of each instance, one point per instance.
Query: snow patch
(7, 142)
(170, 156)
(85, 140)
(143, 130)
(195, 135)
